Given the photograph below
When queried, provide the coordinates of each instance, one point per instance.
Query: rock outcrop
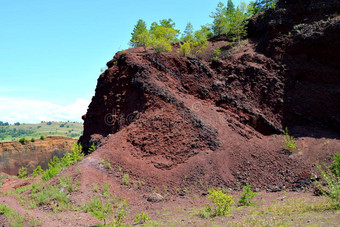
(177, 120)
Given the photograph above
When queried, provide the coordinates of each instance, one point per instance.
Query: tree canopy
(227, 19)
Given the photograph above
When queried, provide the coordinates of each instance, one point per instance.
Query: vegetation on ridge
(227, 20)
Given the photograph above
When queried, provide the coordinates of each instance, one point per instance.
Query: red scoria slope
(189, 122)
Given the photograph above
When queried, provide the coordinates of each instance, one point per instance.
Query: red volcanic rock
(181, 120)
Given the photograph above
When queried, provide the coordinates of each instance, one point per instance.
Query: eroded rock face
(303, 36)
(14, 155)
(163, 116)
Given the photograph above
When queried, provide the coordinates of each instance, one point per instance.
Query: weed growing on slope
(13, 217)
(126, 179)
(289, 141)
(331, 174)
(22, 172)
(141, 218)
(103, 209)
(37, 171)
(247, 196)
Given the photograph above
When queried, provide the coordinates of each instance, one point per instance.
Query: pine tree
(161, 38)
(140, 35)
(238, 23)
(188, 33)
(203, 34)
(220, 22)
(262, 5)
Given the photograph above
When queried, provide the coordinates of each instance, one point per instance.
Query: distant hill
(50, 128)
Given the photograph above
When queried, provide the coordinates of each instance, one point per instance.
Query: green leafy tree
(140, 35)
(162, 38)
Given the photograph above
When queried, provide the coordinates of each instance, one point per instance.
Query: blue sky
(51, 51)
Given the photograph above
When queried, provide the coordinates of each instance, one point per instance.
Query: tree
(238, 23)
(140, 35)
(262, 5)
(219, 23)
(203, 34)
(162, 38)
(163, 35)
(188, 33)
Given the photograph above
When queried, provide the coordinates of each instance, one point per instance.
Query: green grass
(29, 131)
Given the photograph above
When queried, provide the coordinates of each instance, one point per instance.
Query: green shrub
(22, 172)
(206, 211)
(66, 182)
(335, 166)
(23, 140)
(331, 176)
(247, 196)
(99, 210)
(37, 171)
(221, 200)
(56, 165)
(217, 53)
(185, 48)
(42, 137)
(32, 140)
(50, 195)
(13, 217)
(141, 218)
(289, 141)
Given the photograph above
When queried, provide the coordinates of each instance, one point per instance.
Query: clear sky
(51, 51)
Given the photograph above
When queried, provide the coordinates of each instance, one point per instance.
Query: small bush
(221, 200)
(141, 218)
(289, 141)
(217, 53)
(206, 211)
(13, 217)
(56, 165)
(42, 137)
(247, 196)
(32, 140)
(66, 182)
(331, 176)
(98, 209)
(37, 171)
(22, 172)
(23, 140)
(335, 166)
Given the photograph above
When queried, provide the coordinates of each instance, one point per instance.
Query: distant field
(29, 131)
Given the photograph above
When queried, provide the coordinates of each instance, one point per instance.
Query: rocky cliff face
(176, 120)
(303, 37)
(14, 155)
